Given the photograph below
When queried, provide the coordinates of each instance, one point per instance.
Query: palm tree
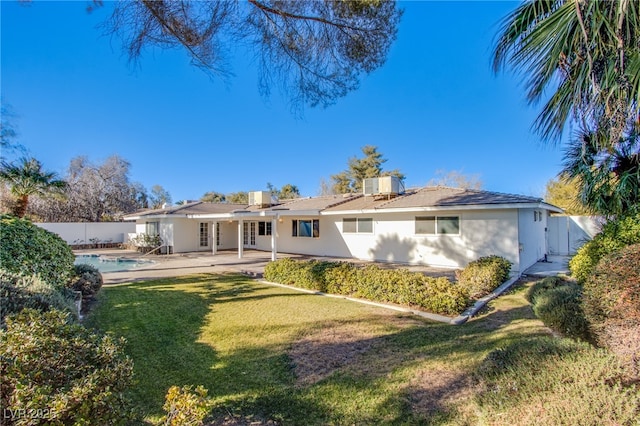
(609, 177)
(583, 58)
(27, 178)
(588, 51)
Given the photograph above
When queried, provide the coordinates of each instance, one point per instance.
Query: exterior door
(249, 234)
(204, 235)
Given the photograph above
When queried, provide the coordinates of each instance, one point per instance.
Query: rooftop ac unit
(260, 198)
(383, 185)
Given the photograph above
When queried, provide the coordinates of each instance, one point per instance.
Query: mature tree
(96, 193)
(609, 176)
(564, 192)
(316, 50)
(26, 179)
(287, 192)
(325, 188)
(159, 197)
(350, 180)
(586, 54)
(238, 197)
(213, 197)
(456, 179)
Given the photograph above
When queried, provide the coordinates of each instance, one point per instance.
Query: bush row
(400, 286)
(484, 275)
(52, 366)
(27, 249)
(18, 292)
(614, 236)
(612, 304)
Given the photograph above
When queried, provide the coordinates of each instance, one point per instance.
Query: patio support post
(274, 240)
(214, 229)
(240, 239)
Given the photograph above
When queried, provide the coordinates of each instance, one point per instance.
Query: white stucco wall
(568, 233)
(510, 233)
(533, 236)
(482, 233)
(85, 232)
(228, 235)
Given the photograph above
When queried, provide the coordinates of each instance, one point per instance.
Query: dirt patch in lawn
(438, 390)
(339, 346)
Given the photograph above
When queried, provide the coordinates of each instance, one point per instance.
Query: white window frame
(266, 228)
(357, 221)
(437, 228)
(315, 228)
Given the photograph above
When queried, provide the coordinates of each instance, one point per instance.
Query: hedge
(76, 375)
(18, 292)
(27, 249)
(399, 286)
(612, 303)
(484, 275)
(614, 236)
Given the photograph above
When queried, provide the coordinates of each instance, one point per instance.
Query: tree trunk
(21, 205)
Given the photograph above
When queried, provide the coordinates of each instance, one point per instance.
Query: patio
(253, 262)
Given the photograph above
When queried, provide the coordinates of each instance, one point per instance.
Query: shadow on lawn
(263, 384)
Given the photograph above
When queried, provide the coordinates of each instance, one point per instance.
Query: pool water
(111, 264)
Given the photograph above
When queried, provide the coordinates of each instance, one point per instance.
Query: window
(204, 234)
(431, 225)
(359, 225)
(217, 228)
(305, 228)
(264, 228)
(426, 225)
(349, 225)
(448, 225)
(152, 228)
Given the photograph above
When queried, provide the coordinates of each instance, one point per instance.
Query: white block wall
(84, 232)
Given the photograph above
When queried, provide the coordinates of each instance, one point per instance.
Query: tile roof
(430, 196)
(435, 196)
(198, 207)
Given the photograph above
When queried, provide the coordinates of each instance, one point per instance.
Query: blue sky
(434, 105)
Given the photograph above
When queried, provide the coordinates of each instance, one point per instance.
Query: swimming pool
(111, 264)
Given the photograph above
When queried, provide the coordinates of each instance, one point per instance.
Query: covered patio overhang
(274, 216)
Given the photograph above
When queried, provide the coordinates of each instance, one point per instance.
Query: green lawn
(268, 353)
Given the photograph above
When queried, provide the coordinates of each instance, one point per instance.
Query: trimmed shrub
(26, 249)
(612, 303)
(18, 292)
(399, 286)
(551, 381)
(543, 286)
(484, 275)
(560, 309)
(87, 279)
(50, 363)
(614, 236)
(185, 406)
(304, 274)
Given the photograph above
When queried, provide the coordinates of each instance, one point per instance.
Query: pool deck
(254, 261)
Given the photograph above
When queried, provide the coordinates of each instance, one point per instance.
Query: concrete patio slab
(555, 265)
(252, 264)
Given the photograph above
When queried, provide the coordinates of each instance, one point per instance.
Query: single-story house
(435, 226)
